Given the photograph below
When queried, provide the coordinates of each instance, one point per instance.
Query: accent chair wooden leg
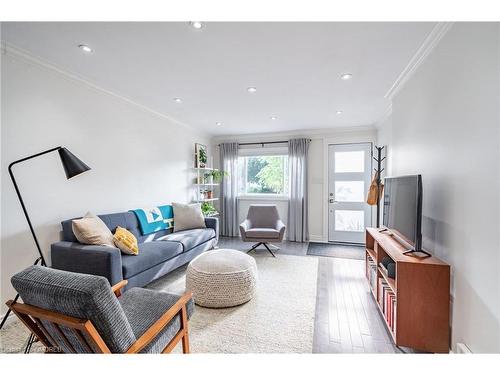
(185, 337)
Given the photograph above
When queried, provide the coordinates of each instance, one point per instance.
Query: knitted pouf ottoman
(222, 278)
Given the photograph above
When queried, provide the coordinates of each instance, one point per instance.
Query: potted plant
(208, 209)
(216, 176)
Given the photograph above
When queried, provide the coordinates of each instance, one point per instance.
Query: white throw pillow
(91, 230)
(188, 216)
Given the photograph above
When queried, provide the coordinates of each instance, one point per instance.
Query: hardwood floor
(347, 319)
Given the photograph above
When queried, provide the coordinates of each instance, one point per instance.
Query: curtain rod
(261, 143)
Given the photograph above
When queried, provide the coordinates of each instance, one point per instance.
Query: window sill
(263, 197)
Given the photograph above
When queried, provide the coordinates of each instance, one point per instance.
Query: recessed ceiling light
(346, 76)
(196, 24)
(252, 89)
(218, 123)
(274, 117)
(85, 48)
(339, 112)
(178, 100)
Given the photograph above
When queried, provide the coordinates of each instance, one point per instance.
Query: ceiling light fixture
(339, 112)
(252, 89)
(85, 48)
(178, 100)
(218, 123)
(196, 24)
(346, 76)
(274, 117)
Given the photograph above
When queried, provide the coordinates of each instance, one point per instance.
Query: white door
(349, 174)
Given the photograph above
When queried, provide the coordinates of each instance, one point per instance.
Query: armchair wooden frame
(88, 336)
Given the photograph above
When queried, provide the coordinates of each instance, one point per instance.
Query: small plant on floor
(208, 209)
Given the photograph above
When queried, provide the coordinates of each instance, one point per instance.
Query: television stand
(415, 304)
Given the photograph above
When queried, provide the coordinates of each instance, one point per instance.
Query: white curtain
(229, 190)
(297, 226)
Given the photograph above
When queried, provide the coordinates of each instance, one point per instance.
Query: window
(263, 174)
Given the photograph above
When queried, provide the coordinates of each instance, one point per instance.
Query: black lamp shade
(72, 165)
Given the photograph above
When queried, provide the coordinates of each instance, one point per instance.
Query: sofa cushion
(189, 238)
(125, 241)
(262, 233)
(127, 220)
(150, 254)
(91, 230)
(188, 216)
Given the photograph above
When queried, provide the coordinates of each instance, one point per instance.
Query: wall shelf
(208, 200)
(206, 169)
(204, 185)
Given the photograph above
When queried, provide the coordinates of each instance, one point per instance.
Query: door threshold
(346, 243)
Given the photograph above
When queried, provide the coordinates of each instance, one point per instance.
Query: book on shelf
(387, 302)
(372, 273)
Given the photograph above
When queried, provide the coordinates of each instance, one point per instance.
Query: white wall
(138, 158)
(317, 174)
(445, 126)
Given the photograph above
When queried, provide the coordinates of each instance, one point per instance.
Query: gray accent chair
(263, 226)
(159, 253)
(77, 313)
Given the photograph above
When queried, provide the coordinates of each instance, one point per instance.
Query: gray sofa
(159, 252)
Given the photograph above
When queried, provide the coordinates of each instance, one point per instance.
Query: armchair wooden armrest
(147, 337)
(117, 288)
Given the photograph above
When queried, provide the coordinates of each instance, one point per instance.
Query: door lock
(332, 201)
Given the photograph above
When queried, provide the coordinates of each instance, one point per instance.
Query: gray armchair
(263, 226)
(78, 313)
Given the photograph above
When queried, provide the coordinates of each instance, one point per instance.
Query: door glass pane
(349, 220)
(349, 161)
(349, 191)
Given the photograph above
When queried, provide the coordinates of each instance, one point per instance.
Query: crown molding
(8, 49)
(385, 116)
(310, 133)
(436, 34)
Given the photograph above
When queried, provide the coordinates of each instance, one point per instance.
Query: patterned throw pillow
(125, 241)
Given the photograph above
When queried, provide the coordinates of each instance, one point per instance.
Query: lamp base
(32, 337)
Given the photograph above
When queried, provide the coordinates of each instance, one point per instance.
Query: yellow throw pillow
(125, 241)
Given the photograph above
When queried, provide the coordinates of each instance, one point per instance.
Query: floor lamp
(72, 167)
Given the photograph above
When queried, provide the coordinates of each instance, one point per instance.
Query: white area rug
(279, 319)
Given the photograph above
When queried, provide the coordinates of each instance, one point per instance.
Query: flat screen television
(403, 210)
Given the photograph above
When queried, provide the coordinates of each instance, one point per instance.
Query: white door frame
(326, 174)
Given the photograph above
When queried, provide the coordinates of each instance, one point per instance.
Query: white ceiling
(294, 66)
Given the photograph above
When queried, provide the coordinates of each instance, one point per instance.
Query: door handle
(332, 201)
